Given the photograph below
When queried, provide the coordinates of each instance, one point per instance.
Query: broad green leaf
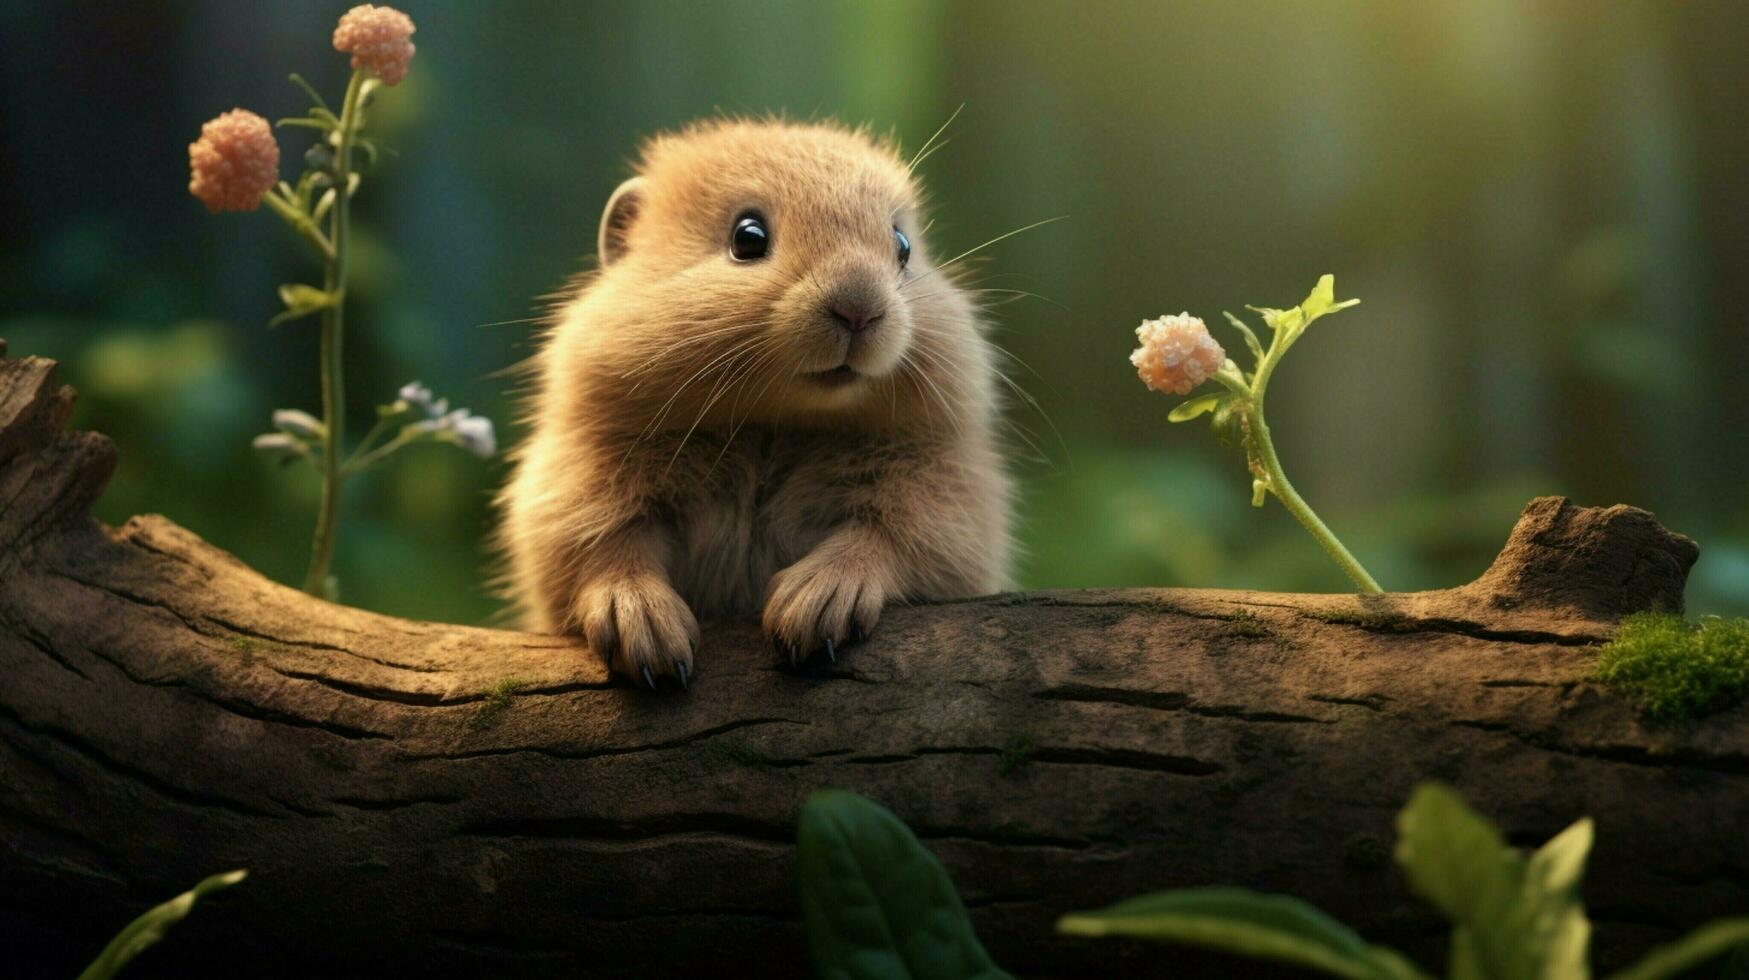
(1553, 872)
(1709, 941)
(1512, 919)
(876, 904)
(149, 928)
(1196, 406)
(1558, 865)
(1465, 960)
(1246, 923)
(1453, 857)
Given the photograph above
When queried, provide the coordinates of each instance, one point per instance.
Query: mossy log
(424, 799)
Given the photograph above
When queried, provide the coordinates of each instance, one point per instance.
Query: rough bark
(166, 713)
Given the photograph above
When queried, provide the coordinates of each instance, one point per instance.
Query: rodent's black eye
(750, 239)
(904, 246)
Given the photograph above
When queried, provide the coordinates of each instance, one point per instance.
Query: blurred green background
(1544, 206)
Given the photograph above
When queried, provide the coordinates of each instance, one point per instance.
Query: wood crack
(1169, 701)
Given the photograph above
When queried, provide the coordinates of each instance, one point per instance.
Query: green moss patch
(1676, 671)
(1246, 624)
(1378, 622)
(497, 702)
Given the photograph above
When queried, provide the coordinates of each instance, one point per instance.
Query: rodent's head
(776, 270)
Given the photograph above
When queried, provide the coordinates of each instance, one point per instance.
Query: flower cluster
(421, 418)
(379, 40)
(234, 163)
(1177, 353)
(473, 433)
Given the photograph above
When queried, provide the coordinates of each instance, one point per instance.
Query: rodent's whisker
(722, 387)
(978, 248)
(684, 342)
(662, 413)
(924, 150)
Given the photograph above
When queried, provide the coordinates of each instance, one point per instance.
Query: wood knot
(1604, 562)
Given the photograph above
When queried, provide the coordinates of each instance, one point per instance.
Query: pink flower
(234, 162)
(379, 40)
(1177, 353)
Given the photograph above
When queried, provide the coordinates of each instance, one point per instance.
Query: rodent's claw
(641, 627)
(821, 605)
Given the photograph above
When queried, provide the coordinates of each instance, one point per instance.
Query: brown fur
(683, 463)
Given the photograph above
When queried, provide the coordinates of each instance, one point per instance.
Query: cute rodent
(767, 398)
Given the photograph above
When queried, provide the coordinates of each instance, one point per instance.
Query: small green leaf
(1322, 300)
(1251, 340)
(151, 927)
(301, 301)
(310, 91)
(875, 903)
(1226, 422)
(304, 122)
(1246, 923)
(1280, 320)
(1709, 941)
(1196, 406)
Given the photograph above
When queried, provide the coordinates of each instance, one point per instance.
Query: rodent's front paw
(820, 604)
(640, 626)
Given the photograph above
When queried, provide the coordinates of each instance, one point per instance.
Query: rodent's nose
(855, 308)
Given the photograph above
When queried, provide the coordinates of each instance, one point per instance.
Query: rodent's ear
(616, 222)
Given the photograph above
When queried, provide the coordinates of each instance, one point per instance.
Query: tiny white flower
(298, 423)
(279, 444)
(474, 433)
(418, 396)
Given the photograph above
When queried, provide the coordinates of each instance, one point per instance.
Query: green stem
(333, 322)
(1262, 448)
(300, 223)
(367, 443)
(364, 461)
(1297, 506)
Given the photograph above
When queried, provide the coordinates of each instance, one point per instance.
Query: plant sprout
(234, 167)
(1513, 915)
(151, 927)
(1177, 355)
